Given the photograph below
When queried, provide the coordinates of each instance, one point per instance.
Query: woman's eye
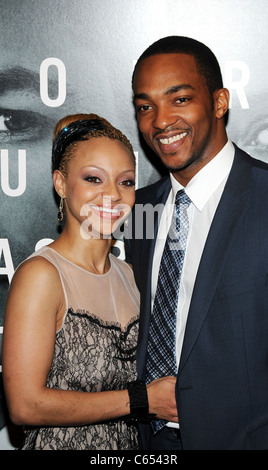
(22, 125)
(93, 179)
(128, 183)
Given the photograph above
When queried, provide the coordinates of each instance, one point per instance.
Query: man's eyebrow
(20, 78)
(169, 91)
(176, 88)
(140, 96)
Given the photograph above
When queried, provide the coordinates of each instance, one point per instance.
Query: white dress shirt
(204, 190)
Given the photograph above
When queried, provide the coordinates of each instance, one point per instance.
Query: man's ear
(221, 100)
(59, 183)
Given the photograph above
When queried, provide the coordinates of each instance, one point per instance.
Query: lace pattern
(93, 352)
(90, 356)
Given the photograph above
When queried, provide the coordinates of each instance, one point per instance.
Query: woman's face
(99, 188)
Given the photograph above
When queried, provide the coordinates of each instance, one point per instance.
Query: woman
(71, 319)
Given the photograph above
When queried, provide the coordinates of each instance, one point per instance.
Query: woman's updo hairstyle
(80, 127)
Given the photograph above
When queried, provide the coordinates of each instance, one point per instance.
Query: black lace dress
(94, 351)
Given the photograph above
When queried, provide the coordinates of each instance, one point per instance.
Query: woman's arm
(34, 301)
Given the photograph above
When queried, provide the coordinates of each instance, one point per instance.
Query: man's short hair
(206, 62)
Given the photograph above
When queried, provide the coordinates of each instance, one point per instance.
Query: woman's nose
(111, 193)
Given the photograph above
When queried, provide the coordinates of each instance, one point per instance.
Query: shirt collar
(203, 185)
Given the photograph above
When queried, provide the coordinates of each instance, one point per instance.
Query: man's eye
(182, 100)
(255, 141)
(22, 125)
(143, 108)
(262, 138)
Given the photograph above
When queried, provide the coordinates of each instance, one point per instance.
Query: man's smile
(171, 140)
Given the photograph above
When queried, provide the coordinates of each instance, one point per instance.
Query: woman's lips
(107, 212)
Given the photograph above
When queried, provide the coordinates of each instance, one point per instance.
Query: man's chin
(174, 163)
(174, 167)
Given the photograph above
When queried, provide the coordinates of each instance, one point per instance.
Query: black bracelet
(138, 400)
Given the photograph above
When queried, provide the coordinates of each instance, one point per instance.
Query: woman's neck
(91, 254)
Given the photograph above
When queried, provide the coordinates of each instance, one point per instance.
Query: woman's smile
(107, 212)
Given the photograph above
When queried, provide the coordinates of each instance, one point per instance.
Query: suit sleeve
(128, 250)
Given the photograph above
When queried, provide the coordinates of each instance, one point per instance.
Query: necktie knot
(179, 224)
(182, 198)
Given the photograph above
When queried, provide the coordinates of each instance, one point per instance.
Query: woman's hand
(161, 397)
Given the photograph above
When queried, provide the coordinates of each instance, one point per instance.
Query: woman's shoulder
(36, 268)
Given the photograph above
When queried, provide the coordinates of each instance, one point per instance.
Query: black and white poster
(60, 57)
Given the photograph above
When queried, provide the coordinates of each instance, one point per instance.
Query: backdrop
(66, 56)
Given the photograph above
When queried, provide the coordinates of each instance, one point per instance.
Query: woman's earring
(126, 223)
(60, 213)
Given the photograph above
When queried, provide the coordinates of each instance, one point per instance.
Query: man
(222, 297)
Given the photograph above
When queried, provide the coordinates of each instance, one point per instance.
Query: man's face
(175, 113)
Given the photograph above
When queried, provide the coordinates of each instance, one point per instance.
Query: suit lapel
(231, 210)
(148, 242)
(146, 262)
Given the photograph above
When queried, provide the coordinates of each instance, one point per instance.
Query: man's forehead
(169, 71)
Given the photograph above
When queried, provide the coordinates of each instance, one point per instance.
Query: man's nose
(164, 118)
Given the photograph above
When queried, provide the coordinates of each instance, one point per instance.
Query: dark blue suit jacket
(222, 382)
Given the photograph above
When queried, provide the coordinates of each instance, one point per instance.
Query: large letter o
(53, 103)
